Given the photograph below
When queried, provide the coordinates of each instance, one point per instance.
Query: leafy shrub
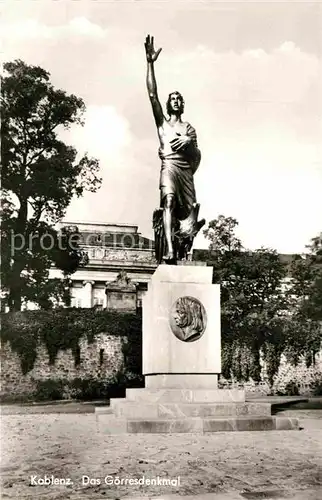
(291, 389)
(16, 398)
(316, 386)
(89, 389)
(50, 390)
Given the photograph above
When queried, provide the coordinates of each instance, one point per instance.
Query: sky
(251, 77)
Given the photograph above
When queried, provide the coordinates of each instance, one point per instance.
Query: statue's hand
(151, 54)
(180, 142)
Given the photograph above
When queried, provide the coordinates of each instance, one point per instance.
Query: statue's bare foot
(169, 257)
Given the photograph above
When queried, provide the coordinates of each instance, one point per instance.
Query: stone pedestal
(181, 364)
(121, 294)
(181, 328)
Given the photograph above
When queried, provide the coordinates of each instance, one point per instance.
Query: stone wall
(104, 358)
(300, 375)
(98, 360)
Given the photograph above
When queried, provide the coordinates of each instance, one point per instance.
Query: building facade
(112, 249)
(116, 250)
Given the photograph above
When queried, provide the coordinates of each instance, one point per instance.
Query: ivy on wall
(61, 329)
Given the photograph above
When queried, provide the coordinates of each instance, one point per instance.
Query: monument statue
(175, 223)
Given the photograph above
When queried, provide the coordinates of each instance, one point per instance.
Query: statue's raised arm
(151, 56)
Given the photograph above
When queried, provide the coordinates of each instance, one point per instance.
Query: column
(105, 295)
(87, 294)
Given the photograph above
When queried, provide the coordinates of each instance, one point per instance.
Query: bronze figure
(176, 221)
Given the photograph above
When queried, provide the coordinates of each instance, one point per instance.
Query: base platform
(190, 411)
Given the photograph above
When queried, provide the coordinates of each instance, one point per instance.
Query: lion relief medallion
(188, 319)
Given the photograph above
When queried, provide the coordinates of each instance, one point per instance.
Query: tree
(221, 234)
(305, 330)
(313, 304)
(40, 176)
(253, 304)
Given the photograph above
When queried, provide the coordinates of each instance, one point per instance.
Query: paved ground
(29, 409)
(222, 466)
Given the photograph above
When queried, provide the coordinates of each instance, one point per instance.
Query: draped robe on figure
(177, 170)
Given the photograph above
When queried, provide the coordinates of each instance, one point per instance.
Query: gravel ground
(74, 445)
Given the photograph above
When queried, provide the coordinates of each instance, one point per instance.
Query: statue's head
(175, 104)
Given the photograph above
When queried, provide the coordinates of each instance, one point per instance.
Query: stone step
(185, 395)
(104, 409)
(136, 410)
(250, 424)
(108, 425)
